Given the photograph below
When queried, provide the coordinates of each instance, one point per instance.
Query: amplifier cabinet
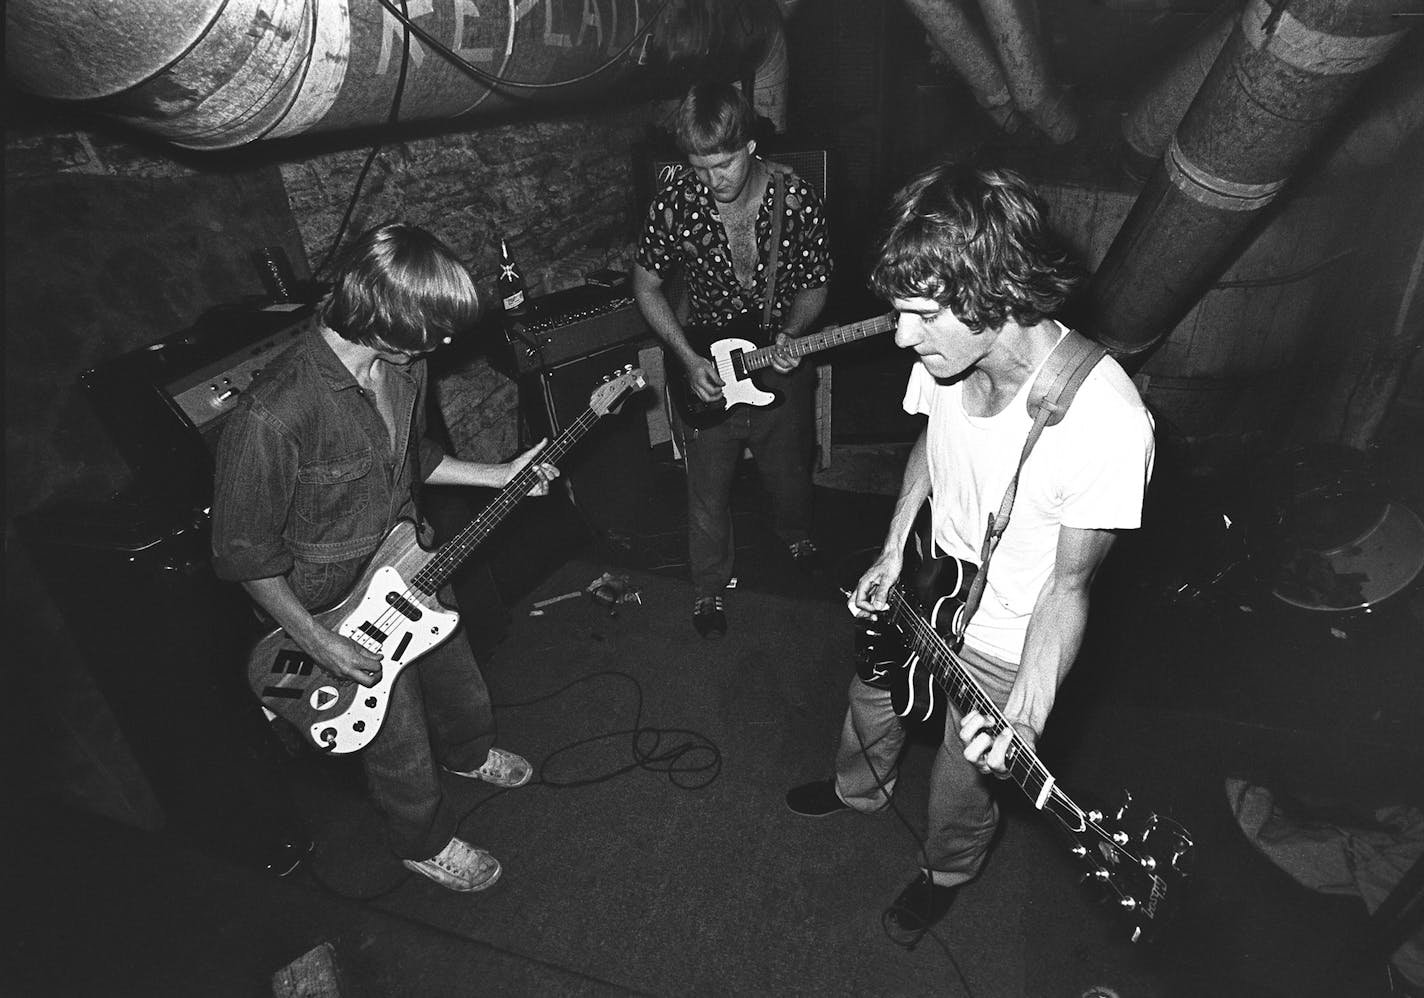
(572, 324)
(164, 405)
(608, 472)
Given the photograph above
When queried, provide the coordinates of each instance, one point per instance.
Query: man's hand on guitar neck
(989, 752)
(782, 360)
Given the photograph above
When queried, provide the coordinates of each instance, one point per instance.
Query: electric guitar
(738, 357)
(394, 609)
(1137, 859)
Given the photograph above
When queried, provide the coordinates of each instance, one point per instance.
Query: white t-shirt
(1090, 471)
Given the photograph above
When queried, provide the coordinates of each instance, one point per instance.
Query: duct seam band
(1312, 51)
(325, 70)
(1216, 192)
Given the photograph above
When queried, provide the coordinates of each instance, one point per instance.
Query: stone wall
(114, 241)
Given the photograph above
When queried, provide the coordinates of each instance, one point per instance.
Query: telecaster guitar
(394, 609)
(1137, 859)
(737, 358)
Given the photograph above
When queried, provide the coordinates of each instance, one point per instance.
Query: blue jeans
(781, 438)
(438, 715)
(962, 813)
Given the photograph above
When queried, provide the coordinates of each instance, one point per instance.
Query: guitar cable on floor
(689, 759)
(919, 840)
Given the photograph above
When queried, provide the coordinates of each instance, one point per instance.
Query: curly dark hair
(975, 241)
(399, 286)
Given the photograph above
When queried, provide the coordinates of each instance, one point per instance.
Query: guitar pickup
(372, 631)
(402, 606)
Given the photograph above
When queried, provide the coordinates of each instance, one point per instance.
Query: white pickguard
(737, 391)
(357, 726)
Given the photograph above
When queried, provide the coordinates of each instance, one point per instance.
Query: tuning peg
(1128, 903)
(1120, 837)
(1123, 807)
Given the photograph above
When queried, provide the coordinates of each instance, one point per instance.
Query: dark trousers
(962, 813)
(781, 438)
(439, 716)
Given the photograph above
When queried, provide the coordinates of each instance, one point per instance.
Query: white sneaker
(503, 769)
(459, 867)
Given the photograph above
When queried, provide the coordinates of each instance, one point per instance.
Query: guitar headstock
(1137, 859)
(615, 389)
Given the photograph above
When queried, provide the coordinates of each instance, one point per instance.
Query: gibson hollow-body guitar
(395, 610)
(1138, 860)
(738, 357)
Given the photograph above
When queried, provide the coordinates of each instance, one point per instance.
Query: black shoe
(806, 556)
(709, 616)
(920, 905)
(816, 800)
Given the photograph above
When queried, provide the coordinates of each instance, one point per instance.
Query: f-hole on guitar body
(1135, 858)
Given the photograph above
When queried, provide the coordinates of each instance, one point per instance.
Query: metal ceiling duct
(215, 74)
(1282, 76)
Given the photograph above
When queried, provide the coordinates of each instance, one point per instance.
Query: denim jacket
(308, 484)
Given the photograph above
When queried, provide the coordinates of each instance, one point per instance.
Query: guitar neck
(1033, 778)
(453, 552)
(824, 340)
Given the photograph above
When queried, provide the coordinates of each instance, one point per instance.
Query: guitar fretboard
(437, 571)
(824, 340)
(953, 676)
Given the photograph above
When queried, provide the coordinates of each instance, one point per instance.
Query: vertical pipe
(1013, 30)
(1148, 126)
(969, 52)
(1282, 76)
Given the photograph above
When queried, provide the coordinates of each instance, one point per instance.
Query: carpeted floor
(654, 855)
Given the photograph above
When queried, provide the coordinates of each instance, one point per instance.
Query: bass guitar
(1136, 859)
(738, 357)
(395, 610)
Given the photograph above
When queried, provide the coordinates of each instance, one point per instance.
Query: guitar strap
(778, 203)
(1067, 367)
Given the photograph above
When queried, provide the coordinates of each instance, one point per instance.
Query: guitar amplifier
(570, 324)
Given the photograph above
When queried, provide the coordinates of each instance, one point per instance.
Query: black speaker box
(165, 642)
(608, 472)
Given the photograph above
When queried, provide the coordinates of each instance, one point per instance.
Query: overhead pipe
(1005, 66)
(963, 43)
(1272, 93)
(1154, 116)
(1396, 112)
(1014, 30)
(215, 74)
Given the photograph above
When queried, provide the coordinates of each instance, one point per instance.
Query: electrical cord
(495, 82)
(689, 759)
(391, 118)
(915, 836)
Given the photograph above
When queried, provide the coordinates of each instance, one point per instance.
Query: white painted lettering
(468, 9)
(393, 34)
(592, 19)
(551, 37)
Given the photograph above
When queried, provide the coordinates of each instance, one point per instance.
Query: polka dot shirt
(682, 232)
